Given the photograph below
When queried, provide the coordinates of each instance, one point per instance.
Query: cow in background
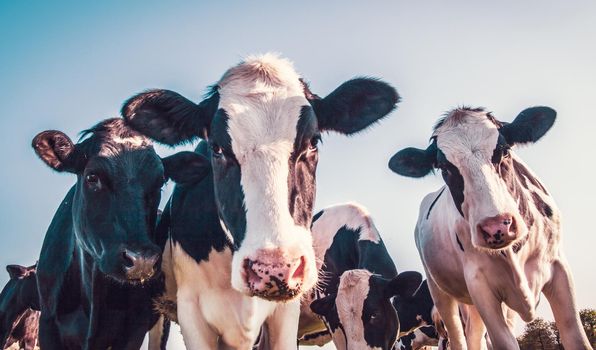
(98, 268)
(357, 281)
(253, 245)
(19, 309)
(491, 236)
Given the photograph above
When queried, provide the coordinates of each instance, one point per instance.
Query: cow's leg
(196, 332)
(282, 326)
(561, 297)
(49, 336)
(449, 311)
(475, 330)
(490, 310)
(157, 333)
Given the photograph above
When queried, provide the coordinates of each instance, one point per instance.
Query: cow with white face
(491, 235)
(357, 281)
(262, 125)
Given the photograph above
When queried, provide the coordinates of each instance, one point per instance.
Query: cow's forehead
(467, 132)
(263, 98)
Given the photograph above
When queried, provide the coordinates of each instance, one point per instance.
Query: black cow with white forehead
(97, 267)
(263, 126)
(498, 225)
(357, 281)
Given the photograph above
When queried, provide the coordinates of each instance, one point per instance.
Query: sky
(68, 65)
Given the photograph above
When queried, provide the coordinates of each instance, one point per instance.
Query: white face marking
(352, 291)
(468, 142)
(263, 98)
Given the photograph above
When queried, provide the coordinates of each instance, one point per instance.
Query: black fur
(529, 126)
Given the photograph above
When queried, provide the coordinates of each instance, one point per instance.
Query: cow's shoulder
(56, 254)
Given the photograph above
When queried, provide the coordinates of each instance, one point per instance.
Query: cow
(97, 267)
(357, 281)
(19, 308)
(419, 338)
(262, 125)
(491, 235)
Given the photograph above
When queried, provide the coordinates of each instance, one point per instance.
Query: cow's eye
(217, 150)
(314, 144)
(93, 181)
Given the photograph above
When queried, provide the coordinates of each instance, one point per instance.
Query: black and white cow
(357, 280)
(19, 309)
(254, 248)
(491, 235)
(96, 271)
(419, 338)
(420, 322)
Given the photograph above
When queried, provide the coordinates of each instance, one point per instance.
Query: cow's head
(264, 125)
(18, 295)
(360, 315)
(415, 310)
(488, 183)
(118, 188)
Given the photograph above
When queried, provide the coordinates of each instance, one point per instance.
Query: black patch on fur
(453, 179)
(194, 218)
(459, 242)
(379, 318)
(434, 202)
(303, 167)
(541, 205)
(229, 194)
(408, 308)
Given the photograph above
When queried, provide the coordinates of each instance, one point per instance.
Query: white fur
(486, 278)
(213, 315)
(263, 98)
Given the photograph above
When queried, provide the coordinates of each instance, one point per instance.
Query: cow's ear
(354, 105)
(324, 305)
(58, 151)
(16, 271)
(529, 126)
(414, 162)
(168, 117)
(405, 284)
(186, 167)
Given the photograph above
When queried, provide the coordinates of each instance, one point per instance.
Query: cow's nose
(499, 230)
(139, 266)
(275, 279)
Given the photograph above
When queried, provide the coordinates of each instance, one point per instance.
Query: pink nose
(498, 230)
(273, 276)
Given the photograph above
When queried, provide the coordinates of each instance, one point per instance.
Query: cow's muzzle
(140, 266)
(274, 276)
(498, 231)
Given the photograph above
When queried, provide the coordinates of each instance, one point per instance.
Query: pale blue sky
(66, 66)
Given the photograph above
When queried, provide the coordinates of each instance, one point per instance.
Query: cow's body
(497, 225)
(19, 309)
(96, 268)
(253, 248)
(353, 261)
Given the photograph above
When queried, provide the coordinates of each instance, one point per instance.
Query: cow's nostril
(299, 272)
(129, 258)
